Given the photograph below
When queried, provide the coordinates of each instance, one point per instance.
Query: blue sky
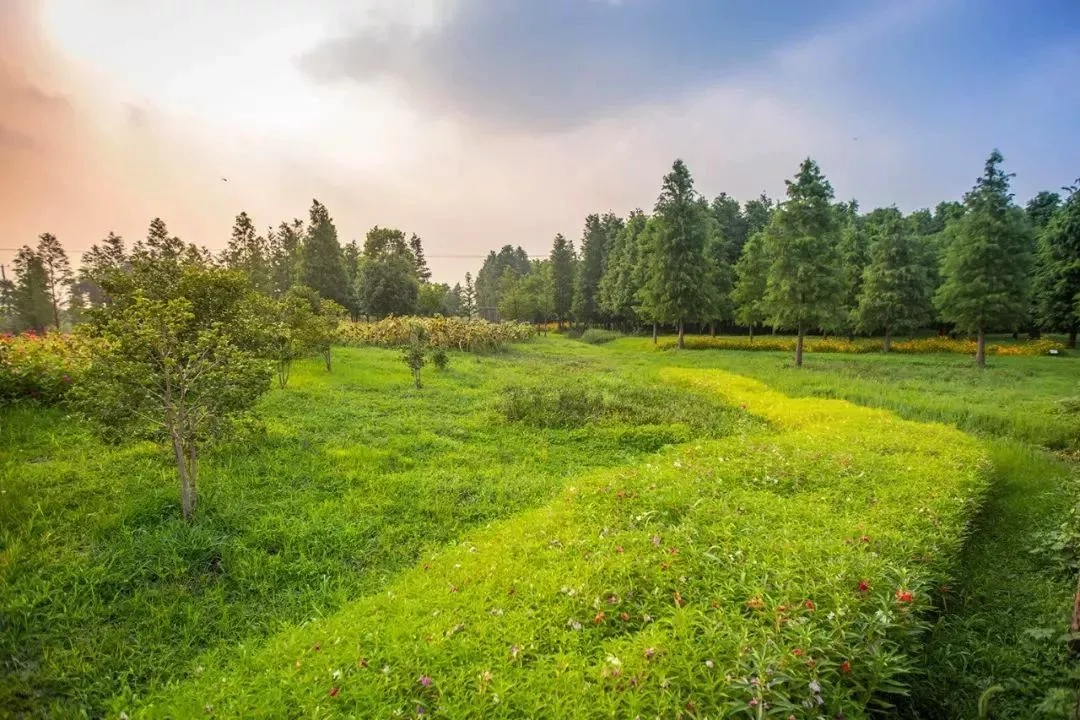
(480, 122)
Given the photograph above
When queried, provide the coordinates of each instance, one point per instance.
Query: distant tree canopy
(805, 264)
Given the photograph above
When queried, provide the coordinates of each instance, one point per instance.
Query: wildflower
(573, 624)
(797, 652)
(864, 587)
(424, 680)
(673, 551)
(709, 664)
(755, 603)
(334, 691)
(904, 596)
(613, 599)
(646, 618)
(316, 647)
(497, 612)
(514, 650)
(845, 667)
(649, 653)
(614, 660)
(864, 539)
(754, 702)
(421, 710)
(810, 605)
(487, 676)
(362, 662)
(679, 602)
(336, 674)
(599, 618)
(815, 687)
(619, 549)
(656, 540)
(624, 616)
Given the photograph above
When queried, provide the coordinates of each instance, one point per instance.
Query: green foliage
(30, 299)
(621, 281)
(414, 352)
(41, 368)
(694, 576)
(322, 262)
(388, 283)
(249, 253)
(180, 369)
(987, 261)
(675, 288)
(1057, 280)
(895, 292)
(449, 333)
(599, 235)
(489, 280)
(562, 277)
(431, 300)
(598, 336)
(440, 359)
(751, 273)
(803, 283)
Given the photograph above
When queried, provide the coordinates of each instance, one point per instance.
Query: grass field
(357, 481)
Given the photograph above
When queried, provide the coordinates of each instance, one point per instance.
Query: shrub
(597, 336)
(440, 359)
(42, 368)
(449, 333)
(781, 573)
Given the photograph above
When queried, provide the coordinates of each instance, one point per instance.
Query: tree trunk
(187, 482)
(655, 332)
(1071, 344)
(888, 340)
(682, 334)
(751, 334)
(326, 356)
(980, 349)
(283, 372)
(712, 329)
(799, 346)
(56, 312)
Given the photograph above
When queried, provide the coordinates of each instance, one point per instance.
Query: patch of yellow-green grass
(782, 572)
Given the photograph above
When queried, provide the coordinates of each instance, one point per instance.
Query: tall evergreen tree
(423, 273)
(322, 261)
(718, 271)
(733, 225)
(591, 268)
(675, 288)
(562, 278)
(619, 285)
(1041, 208)
(32, 304)
(751, 273)
(58, 274)
(853, 250)
(159, 245)
(895, 291)
(1057, 281)
(249, 253)
(284, 247)
(803, 283)
(98, 263)
(388, 284)
(757, 213)
(468, 298)
(987, 260)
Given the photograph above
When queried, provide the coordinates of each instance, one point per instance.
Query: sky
(477, 123)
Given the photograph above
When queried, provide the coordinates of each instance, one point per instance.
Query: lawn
(357, 486)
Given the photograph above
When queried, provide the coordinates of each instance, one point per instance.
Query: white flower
(815, 687)
(336, 674)
(612, 660)
(709, 664)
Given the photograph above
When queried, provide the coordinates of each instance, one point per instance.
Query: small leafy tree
(751, 273)
(414, 352)
(171, 370)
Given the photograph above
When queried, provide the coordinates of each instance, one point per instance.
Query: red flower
(810, 605)
(334, 691)
(904, 596)
(845, 667)
(599, 618)
(864, 587)
(865, 539)
(797, 652)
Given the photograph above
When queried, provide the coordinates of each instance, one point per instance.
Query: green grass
(1005, 620)
(106, 597)
(783, 569)
(105, 591)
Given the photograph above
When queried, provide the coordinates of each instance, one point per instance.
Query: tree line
(807, 264)
(387, 275)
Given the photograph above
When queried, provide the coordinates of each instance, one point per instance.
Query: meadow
(654, 532)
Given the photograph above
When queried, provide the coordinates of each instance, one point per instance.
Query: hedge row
(450, 333)
(41, 368)
(784, 573)
(840, 345)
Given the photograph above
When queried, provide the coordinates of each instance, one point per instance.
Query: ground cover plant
(450, 333)
(783, 572)
(347, 478)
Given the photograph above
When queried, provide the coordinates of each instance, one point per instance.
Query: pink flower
(424, 680)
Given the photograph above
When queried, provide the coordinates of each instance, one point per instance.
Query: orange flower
(845, 667)
(904, 596)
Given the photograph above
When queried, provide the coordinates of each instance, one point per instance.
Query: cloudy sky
(477, 123)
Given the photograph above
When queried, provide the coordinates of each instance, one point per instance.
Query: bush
(782, 573)
(597, 336)
(42, 368)
(449, 333)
